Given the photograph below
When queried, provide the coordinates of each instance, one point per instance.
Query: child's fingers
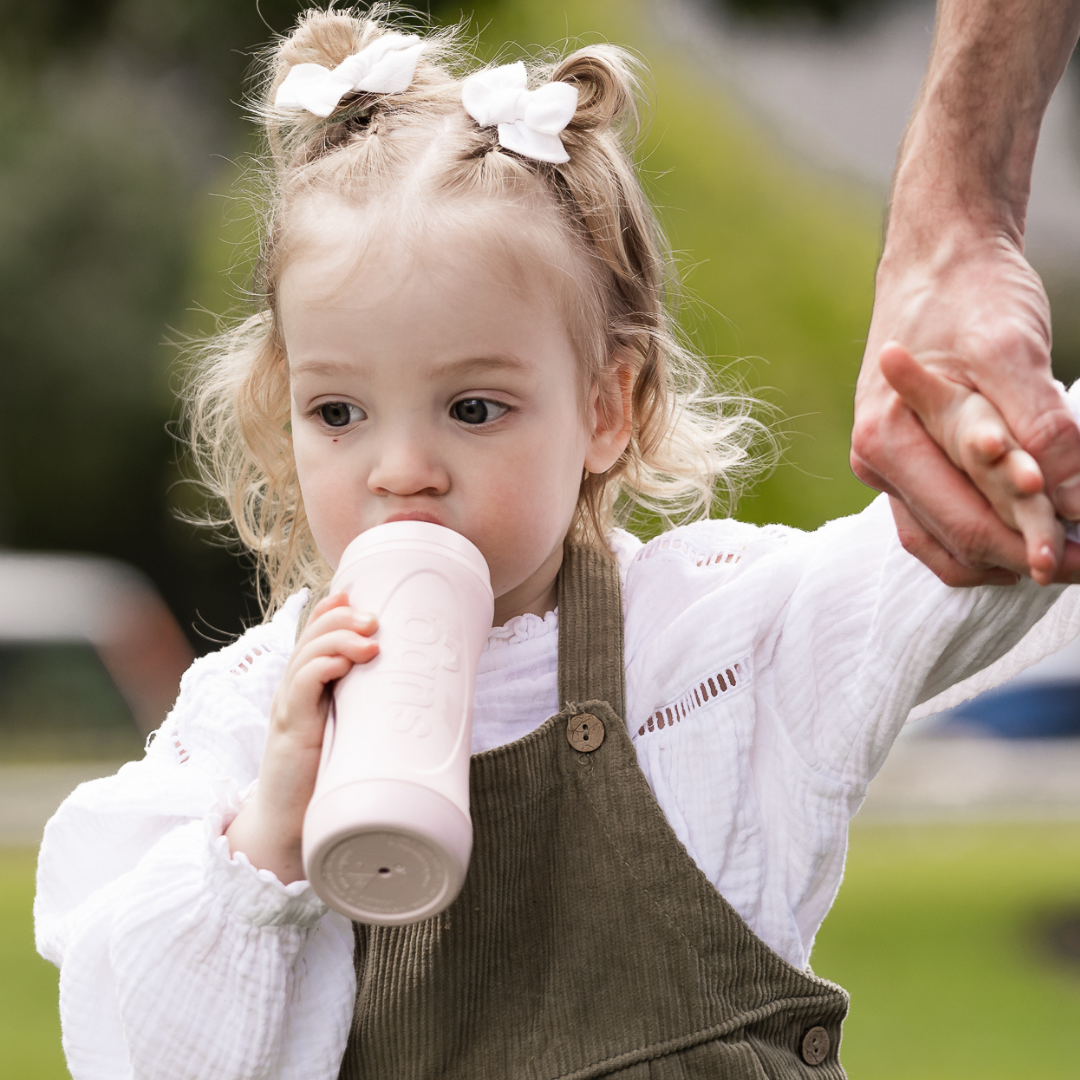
(327, 603)
(990, 441)
(1013, 484)
(345, 642)
(1044, 536)
(337, 617)
(931, 397)
(1014, 487)
(975, 436)
(1024, 473)
(987, 452)
(306, 691)
(313, 667)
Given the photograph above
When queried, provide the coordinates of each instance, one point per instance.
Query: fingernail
(1067, 497)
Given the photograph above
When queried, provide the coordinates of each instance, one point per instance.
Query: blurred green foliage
(116, 117)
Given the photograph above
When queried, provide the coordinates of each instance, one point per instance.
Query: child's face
(431, 386)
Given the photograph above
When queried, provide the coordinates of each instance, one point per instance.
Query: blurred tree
(826, 11)
(115, 116)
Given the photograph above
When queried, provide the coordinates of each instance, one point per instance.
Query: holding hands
(976, 444)
(979, 443)
(975, 315)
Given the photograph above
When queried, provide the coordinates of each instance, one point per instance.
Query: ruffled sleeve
(176, 958)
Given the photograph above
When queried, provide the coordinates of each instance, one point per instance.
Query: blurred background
(768, 146)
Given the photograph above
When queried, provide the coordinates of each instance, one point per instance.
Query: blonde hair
(689, 446)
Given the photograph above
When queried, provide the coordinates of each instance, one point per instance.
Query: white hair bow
(386, 66)
(529, 120)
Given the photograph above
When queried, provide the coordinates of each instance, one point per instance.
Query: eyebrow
(495, 362)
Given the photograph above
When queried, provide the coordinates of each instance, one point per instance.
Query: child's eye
(340, 413)
(475, 410)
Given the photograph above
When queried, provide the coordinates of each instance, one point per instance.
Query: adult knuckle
(912, 540)
(862, 470)
(953, 574)
(975, 543)
(1017, 339)
(972, 543)
(875, 442)
(1040, 432)
(865, 440)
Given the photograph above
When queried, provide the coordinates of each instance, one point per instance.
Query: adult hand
(954, 289)
(975, 312)
(978, 442)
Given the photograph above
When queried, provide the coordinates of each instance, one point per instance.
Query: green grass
(29, 1021)
(940, 936)
(937, 934)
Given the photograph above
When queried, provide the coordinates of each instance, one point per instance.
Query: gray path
(976, 778)
(30, 794)
(925, 778)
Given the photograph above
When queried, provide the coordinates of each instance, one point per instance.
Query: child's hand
(974, 435)
(267, 830)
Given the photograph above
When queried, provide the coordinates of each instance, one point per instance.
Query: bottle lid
(421, 536)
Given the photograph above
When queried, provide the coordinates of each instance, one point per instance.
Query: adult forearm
(954, 288)
(966, 159)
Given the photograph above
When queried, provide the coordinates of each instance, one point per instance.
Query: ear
(610, 415)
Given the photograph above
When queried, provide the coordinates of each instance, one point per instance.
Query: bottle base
(386, 852)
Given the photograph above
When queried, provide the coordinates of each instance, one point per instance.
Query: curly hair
(690, 445)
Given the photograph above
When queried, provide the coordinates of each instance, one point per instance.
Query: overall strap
(591, 661)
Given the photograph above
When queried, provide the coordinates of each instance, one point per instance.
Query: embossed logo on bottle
(420, 668)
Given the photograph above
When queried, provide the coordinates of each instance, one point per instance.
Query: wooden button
(815, 1046)
(585, 732)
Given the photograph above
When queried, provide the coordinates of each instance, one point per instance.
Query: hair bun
(325, 38)
(606, 84)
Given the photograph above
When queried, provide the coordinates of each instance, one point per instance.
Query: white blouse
(768, 672)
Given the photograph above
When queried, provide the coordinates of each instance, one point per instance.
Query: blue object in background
(1022, 709)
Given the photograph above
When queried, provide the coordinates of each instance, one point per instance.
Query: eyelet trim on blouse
(696, 555)
(249, 658)
(239, 670)
(182, 755)
(723, 682)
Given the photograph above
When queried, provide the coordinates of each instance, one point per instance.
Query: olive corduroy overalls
(586, 941)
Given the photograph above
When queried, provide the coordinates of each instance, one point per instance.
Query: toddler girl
(463, 322)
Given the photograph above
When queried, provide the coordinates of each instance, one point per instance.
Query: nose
(408, 465)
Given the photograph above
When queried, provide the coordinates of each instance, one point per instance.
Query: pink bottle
(387, 834)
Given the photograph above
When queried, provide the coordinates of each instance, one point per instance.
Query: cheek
(529, 500)
(544, 471)
(322, 481)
